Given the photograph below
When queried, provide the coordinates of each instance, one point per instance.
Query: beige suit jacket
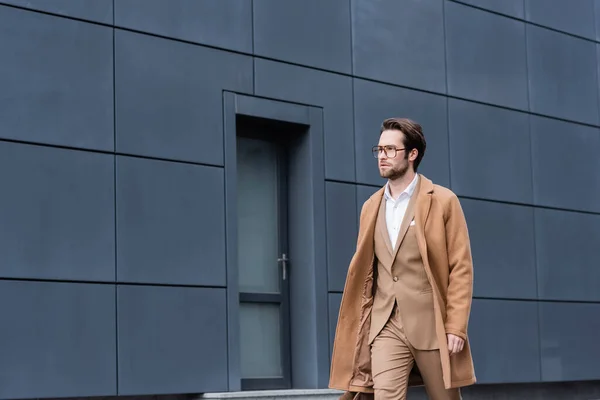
(401, 278)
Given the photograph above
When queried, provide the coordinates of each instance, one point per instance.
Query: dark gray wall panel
(56, 77)
(362, 194)
(221, 23)
(505, 341)
(315, 33)
(482, 140)
(576, 17)
(172, 106)
(513, 8)
(171, 340)
(333, 92)
(374, 102)
(568, 255)
(562, 75)
(96, 10)
(503, 247)
(171, 223)
(334, 308)
(498, 74)
(341, 231)
(597, 18)
(410, 53)
(569, 337)
(57, 340)
(565, 152)
(57, 213)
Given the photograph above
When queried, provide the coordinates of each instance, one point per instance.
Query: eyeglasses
(390, 151)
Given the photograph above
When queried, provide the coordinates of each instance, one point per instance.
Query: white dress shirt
(396, 208)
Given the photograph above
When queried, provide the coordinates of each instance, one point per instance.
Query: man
(406, 303)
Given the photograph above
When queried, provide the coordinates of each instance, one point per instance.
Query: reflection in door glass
(261, 346)
(257, 216)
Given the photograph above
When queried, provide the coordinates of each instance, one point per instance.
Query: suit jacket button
(395, 279)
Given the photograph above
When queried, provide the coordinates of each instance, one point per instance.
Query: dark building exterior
(181, 182)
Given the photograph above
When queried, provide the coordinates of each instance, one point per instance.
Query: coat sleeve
(460, 284)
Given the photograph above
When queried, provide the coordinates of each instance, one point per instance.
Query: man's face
(392, 167)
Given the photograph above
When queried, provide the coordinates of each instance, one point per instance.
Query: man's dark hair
(413, 136)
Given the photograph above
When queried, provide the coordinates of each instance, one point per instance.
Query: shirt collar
(410, 189)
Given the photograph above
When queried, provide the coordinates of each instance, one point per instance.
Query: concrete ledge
(583, 390)
(311, 394)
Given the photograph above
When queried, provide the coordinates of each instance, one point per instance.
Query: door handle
(283, 260)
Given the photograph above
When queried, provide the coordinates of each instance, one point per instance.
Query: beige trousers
(392, 358)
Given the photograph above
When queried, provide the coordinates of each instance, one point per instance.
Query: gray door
(263, 264)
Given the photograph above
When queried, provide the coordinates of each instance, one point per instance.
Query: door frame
(309, 319)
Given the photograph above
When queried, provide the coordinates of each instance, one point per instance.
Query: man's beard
(395, 172)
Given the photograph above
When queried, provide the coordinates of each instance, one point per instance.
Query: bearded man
(407, 298)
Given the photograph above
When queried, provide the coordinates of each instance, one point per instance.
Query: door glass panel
(257, 216)
(260, 340)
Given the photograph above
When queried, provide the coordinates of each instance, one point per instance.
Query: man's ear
(413, 154)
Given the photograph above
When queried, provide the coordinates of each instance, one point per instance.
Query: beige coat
(444, 245)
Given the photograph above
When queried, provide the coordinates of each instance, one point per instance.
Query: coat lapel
(423, 201)
(366, 232)
(422, 206)
(382, 225)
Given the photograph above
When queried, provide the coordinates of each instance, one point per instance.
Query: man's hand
(455, 344)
